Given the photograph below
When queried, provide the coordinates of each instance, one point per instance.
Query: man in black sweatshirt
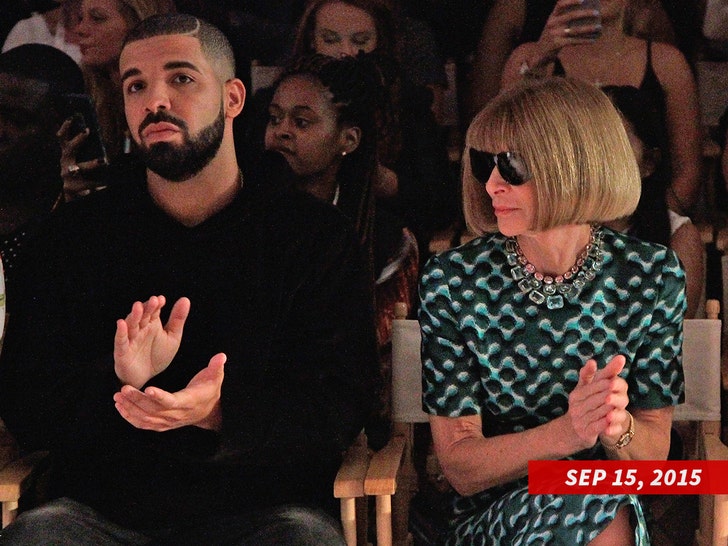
(222, 421)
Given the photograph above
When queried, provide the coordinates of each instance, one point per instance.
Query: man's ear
(350, 139)
(234, 97)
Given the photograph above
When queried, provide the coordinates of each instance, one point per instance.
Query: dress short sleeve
(451, 380)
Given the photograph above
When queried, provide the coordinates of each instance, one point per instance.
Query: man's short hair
(572, 141)
(215, 45)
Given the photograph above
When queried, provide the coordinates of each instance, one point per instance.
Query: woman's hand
(143, 347)
(597, 403)
(560, 31)
(75, 179)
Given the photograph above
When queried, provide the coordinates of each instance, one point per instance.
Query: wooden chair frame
(706, 418)
(388, 475)
(16, 477)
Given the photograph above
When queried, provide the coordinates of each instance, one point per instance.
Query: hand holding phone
(82, 112)
(592, 20)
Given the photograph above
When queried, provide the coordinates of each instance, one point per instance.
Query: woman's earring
(343, 153)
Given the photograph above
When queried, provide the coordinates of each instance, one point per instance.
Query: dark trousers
(64, 522)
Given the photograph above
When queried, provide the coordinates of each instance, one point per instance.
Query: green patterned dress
(489, 350)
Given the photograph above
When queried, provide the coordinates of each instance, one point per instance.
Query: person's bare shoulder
(668, 56)
(671, 67)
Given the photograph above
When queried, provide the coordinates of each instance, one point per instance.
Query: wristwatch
(625, 438)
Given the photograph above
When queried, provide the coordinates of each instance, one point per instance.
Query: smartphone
(82, 111)
(587, 21)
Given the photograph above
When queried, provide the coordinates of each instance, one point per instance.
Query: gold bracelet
(625, 438)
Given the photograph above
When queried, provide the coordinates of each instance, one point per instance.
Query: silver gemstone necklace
(551, 290)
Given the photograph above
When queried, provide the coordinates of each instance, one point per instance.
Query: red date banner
(623, 477)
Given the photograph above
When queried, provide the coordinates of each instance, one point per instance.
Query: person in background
(412, 150)
(222, 421)
(323, 122)
(677, 22)
(53, 27)
(658, 69)
(349, 31)
(510, 23)
(17, 10)
(652, 220)
(101, 28)
(33, 81)
(549, 336)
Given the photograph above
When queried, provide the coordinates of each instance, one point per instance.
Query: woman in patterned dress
(549, 336)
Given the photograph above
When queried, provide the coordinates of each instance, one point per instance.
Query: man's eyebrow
(129, 73)
(172, 65)
(181, 64)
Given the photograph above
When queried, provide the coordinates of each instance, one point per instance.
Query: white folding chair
(392, 478)
(389, 474)
(702, 369)
(701, 364)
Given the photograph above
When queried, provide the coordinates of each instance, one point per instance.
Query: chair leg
(384, 520)
(354, 520)
(348, 520)
(407, 486)
(362, 521)
(400, 515)
(720, 519)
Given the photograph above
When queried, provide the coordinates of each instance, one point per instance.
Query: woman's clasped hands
(597, 405)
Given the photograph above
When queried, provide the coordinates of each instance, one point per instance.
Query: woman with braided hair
(413, 169)
(323, 121)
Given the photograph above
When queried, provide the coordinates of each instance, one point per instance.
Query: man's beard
(178, 163)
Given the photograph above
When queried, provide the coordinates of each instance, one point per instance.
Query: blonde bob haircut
(574, 144)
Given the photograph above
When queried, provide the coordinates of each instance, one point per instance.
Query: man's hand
(197, 404)
(597, 403)
(143, 347)
(75, 175)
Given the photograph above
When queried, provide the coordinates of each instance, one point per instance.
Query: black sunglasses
(510, 166)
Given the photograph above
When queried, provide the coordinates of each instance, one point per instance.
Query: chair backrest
(407, 372)
(701, 366)
(262, 76)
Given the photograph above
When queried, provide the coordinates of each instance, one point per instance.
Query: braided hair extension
(389, 140)
(358, 93)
